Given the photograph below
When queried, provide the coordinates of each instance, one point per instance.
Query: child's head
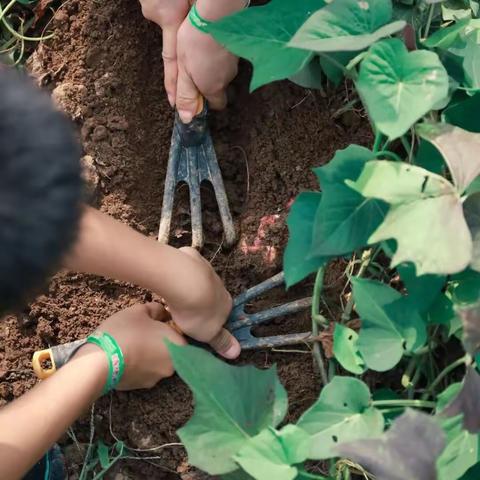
(40, 189)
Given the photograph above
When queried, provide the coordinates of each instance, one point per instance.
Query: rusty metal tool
(239, 323)
(193, 160)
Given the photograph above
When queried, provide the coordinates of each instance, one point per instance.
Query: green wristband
(116, 362)
(201, 23)
(197, 20)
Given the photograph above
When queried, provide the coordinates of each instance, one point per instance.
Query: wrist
(214, 10)
(95, 364)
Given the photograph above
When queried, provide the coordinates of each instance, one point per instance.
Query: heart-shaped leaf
(425, 218)
(423, 290)
(464, 114)
(232, 405)
(261, 35)
(345, 349)
(342, 413)
(467, 402)
(348, 25)
(407, 451)
(296, 263)
(274, 454)
(345, 219)
(458, 147)
(399, 87)
(391, 326)
(445, 37)
(471, 210)
(471, 61)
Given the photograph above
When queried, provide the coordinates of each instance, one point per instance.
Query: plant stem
(448, 369)
(316, 320)
(366, 259)
(377, 142)
(429, 21)
(388, 153)
(406, 144)
(352, 74)
(404, 403)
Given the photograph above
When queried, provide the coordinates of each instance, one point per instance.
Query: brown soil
(104, 68)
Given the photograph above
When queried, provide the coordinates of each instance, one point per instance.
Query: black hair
(40, 189)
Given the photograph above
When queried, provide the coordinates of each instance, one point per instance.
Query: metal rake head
(193, 160)
(240, 323)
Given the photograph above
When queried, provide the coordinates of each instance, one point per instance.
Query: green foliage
(343, 413)
(262, 36)
(300, 221)
(345, 349)
(391, 326)
(424, 206)
(417, 200)
(349, 25)
(227, 413)
(399, 87)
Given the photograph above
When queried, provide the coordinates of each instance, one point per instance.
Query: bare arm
(31, 424)
(196, 296)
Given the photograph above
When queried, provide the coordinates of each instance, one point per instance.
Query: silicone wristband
(201, 23)
(116, 362)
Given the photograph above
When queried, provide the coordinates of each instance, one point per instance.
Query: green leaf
(296, 263)
(458, 147)
(448, 395)
(261, 35)
(408, 450)
(461, 451)
(443, 313)
(330, 65)
(445, 37)
(425, 218)
(399, 87)
(310, 76)
(349, 25)
(401, 182)
(465, 288)
(429, 158)
(422, 290)
(471, 210)
(232, 405)
(472, 473)
(342, 413)
(345, 349)
(273, 454)
(345, 219)
(390, 324)
(471, 62)
(465, 114)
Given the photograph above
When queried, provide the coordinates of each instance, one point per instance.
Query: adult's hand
(169, 16)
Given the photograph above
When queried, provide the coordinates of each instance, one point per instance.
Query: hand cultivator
(193, 160)
(240, 324)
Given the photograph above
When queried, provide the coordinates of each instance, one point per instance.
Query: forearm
(215, 9)
(111, 249)
(32, 424)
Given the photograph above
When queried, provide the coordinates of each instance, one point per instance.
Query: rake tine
(251, 342)
(171, 181)
(195, 199)
(261, 317)
(215, 178)
(257, 290)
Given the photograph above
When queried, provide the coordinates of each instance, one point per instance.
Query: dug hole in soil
(104, 69)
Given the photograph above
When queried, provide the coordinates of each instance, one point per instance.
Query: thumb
(226, 344)
(188, 96)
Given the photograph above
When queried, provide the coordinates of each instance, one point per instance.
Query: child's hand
(205, 306)
(141, 335)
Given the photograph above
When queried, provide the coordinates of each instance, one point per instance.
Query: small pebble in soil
(100, 133)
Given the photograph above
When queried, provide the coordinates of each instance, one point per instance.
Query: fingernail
(186, 116)
(233, 351)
